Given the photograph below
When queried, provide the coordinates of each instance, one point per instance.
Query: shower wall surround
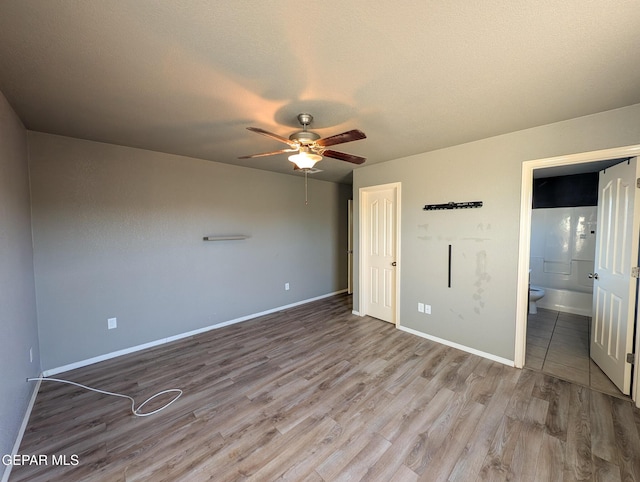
(562, 256)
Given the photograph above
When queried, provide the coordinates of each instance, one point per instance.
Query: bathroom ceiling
(569, 170)
(187, 77)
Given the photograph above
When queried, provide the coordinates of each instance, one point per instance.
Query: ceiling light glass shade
(305, 160)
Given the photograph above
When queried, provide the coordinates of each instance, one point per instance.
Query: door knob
(393, 264)
(593, 276)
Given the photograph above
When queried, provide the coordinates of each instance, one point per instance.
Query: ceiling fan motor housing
(304, 137)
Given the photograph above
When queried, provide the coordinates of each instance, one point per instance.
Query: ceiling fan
(309, 146)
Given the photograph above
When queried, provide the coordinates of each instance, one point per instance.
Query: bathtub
(567, 301)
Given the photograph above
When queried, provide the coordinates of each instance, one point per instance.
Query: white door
(614, 290)
(380, 253)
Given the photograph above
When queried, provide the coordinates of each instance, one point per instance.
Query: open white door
(380, 222)
(614, 289)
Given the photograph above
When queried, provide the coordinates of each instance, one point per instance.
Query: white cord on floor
(134, 410)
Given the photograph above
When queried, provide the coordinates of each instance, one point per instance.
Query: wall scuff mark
(482, 277)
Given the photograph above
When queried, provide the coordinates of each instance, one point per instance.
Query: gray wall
(479, 310)
(17, 295)
(118, 233)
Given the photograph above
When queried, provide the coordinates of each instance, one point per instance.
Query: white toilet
(535, 293)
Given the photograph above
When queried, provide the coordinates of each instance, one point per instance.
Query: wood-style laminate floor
(315, 393)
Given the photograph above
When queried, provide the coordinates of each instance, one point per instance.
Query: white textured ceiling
(187, 76)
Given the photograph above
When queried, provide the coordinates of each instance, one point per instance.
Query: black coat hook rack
(452, 205)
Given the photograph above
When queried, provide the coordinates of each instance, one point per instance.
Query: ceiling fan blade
(353, 135)
(272, 135)
(264, 154)
(343, 156)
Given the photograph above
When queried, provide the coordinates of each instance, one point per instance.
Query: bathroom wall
(563, 248)
(563, 239)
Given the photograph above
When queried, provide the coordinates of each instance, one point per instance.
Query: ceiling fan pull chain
(306, 201)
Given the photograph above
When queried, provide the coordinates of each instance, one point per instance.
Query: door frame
(350, 246)
(362, 248)
(526, 196)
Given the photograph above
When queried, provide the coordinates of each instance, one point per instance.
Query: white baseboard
(354, 312)
(452, 344)
(23, 427)
(162, 341)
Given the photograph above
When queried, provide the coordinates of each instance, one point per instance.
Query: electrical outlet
(112, 323)
(427, 309)
(421, 307)
(286, 286)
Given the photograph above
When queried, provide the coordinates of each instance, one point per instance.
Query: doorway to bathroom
(562, 327)
(561, 267)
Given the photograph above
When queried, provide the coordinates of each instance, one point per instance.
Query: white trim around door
(526, 196)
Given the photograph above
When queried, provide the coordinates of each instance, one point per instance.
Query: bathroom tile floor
(558, 345)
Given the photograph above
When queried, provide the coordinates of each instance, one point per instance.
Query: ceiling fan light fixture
(305, 160)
